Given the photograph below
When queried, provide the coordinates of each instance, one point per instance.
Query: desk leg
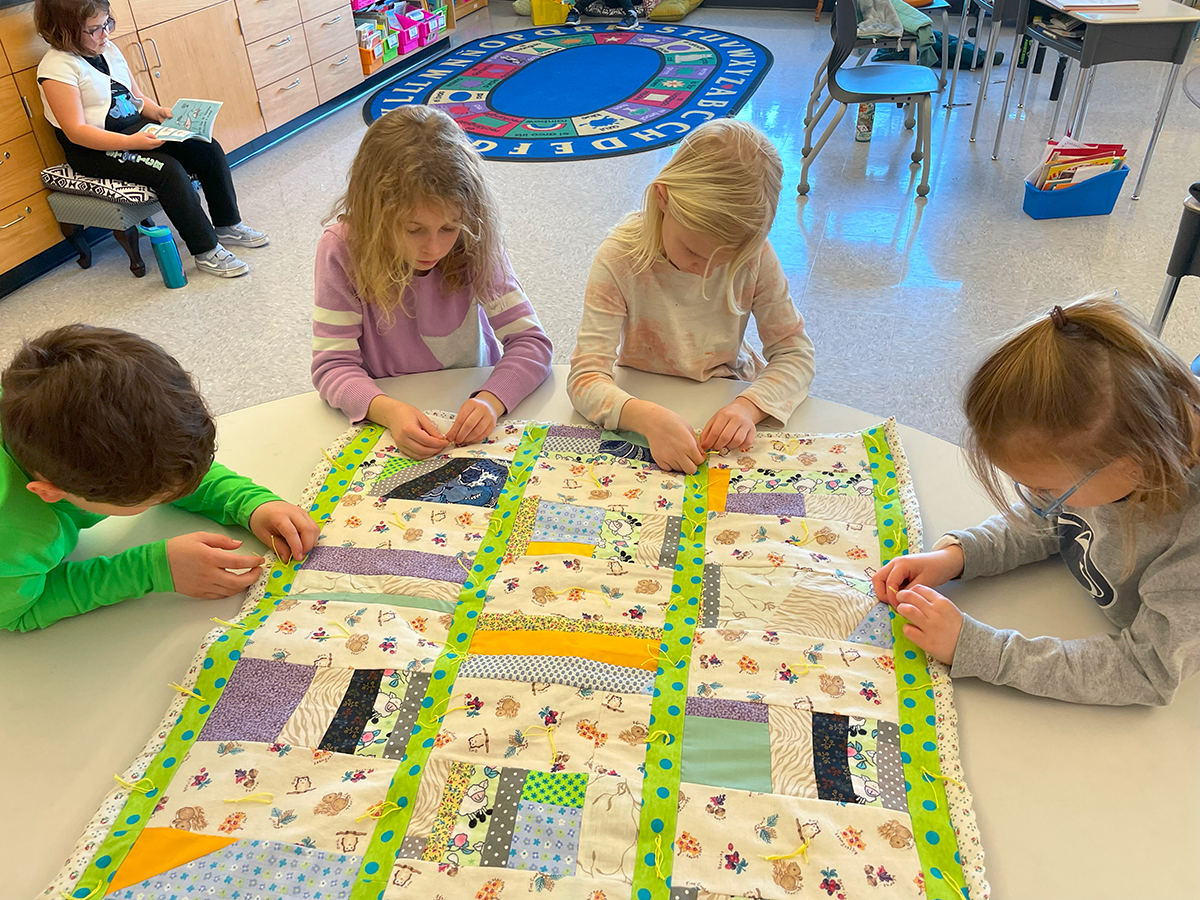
(993, 37)
(1158, 123)
(978, 35)
(1077, 128)
(1033, 49)
(1058, 103)
(962, 33)
(945, 49)
(1008, 83)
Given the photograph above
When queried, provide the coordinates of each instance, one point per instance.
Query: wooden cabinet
(26, 229)
(329, 33)
(139, 63)
(154, 12)
(18, 37)
(337, 73)
(20, 169)
(13, 121)
(311, 9)
(280, 54)
(261, 18)
(185, 62)
(31, 104)
(287, 98)
(123, 16)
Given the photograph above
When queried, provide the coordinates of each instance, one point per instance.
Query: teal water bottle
(167, 255)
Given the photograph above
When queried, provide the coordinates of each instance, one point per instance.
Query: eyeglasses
(109, 24)
(1052, 505)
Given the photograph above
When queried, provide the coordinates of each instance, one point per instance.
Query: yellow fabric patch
(159, 850)
(718, 489)
(636, 653)
(554, 548)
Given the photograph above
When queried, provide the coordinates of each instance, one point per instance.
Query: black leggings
(167, 171)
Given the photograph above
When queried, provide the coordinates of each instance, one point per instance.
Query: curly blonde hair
(723, 181)
(411, 156)
(1091, 385)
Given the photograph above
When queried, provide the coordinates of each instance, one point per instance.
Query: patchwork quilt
(542, 665)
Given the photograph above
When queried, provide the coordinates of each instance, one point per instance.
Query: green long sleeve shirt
(37, 588)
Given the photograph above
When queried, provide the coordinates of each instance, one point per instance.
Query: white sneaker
(241, 236)
(221, 262)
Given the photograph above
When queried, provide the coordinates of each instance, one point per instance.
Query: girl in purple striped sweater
(412, 277)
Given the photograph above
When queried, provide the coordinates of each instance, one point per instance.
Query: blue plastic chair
(882, 83)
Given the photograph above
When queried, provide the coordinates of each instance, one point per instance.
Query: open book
(189, 119)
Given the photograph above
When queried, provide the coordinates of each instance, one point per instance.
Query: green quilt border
(390, 828)
(214, 673)
(660, 784)
(937, 845)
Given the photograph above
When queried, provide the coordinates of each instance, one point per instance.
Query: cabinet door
(123, 15)
(52, 151)
(20, 40)
(202, 56)
(13, 121)
(26, 229)
(138, 58)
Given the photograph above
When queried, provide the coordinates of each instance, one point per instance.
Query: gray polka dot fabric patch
(670, 544)
(711, 596)
(504, 818)
(891, 775)
(418, 684)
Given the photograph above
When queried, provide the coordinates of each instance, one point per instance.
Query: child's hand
(142, 141)
(154, 112)
(476, 419)
(732, 426)
(934, 623)
(930, 569)
(200, 565)
(415, 435)
(286, 529)
(673, 443)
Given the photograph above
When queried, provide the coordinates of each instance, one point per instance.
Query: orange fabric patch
(554, 548)
(159, 850)
(718, 489)
(635, 653)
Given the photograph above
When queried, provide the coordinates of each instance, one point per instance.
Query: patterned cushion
(64, 178)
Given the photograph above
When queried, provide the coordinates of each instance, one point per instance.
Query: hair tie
(1059, 318)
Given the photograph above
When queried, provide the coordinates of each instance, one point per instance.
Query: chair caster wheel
(922, 190)
(917, 156)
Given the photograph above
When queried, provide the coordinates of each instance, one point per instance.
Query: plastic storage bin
(550, 12)
(1094, 197)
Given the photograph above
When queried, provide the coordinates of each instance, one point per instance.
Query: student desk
(1073, 802)
(1158, 31)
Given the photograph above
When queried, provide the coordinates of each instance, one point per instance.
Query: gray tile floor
(899, 294)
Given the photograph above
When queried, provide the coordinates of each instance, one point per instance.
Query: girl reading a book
(98, 112)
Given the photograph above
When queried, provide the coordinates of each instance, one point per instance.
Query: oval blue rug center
(583, 93)
(584, 80)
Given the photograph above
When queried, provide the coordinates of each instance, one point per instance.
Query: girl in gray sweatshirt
(1095, 425)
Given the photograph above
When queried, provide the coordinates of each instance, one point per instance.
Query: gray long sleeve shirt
(1155, 604)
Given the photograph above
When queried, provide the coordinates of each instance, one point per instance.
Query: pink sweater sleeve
(337, 365)
(525, 362)
(590, 384)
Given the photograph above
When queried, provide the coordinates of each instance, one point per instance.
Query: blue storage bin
(1094, 197)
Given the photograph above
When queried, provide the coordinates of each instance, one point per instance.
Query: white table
(1073, 802)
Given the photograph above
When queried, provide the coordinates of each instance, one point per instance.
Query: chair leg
(1033, 49)
(910, 115)
(978, 34)
(1058, 103)
(993, 37)
(129, 240)
(926, 132)
(820, 6)
(74, 234)
(819, 81)
(1008, 84)
(803, 186)
(812, 126)
(962, 34)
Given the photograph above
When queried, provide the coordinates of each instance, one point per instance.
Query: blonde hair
(1091, 385)
(417, 155)
(723, 182)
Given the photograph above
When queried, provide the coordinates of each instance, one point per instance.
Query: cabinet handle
(294, 84)
(17, 219)
(336, 18)
(286, 40)
(25, 103)
(142, 51)
(154, 44)
(7, 155)
(341, 62)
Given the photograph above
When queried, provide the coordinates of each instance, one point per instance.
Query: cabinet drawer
(310, 9)
(152, 12)
(287, 98)
(261, 18)
(20, 169)
(26, 229)
(52, 151)
(328, 34)
(19, 38)
(337, 73)
(281, 54)
(13, 121)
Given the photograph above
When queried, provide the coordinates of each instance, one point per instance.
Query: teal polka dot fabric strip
(932, 830)
(398, 807)
(660, 788)
(214, 674)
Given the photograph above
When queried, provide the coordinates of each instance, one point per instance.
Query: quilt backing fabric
(541, 665)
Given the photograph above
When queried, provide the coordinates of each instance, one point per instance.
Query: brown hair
(60, 22)
(1091, 385)
(105, 415)
(414, 155)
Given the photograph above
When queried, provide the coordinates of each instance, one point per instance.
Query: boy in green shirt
(97, 422)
